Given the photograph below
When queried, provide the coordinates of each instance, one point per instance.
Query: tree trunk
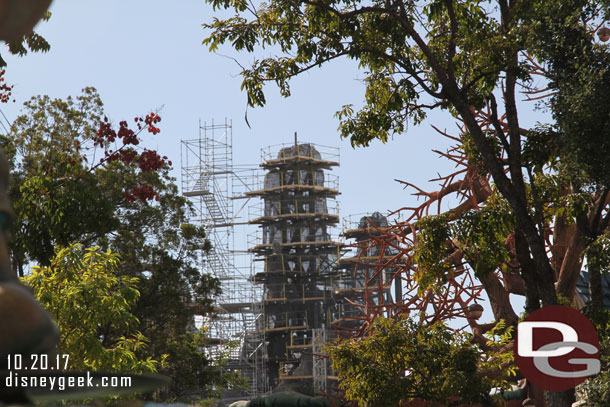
(595, 288)
(562, 233)
(570, 269)
(499, 299)
(532, 298)
(559, 398)
(544, 274)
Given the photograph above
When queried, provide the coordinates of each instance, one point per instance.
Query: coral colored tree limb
(445, 259)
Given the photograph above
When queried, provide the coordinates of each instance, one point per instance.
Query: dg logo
(557, 348)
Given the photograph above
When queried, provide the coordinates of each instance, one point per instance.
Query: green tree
(84, 293)
(56, 196)
(400, 361)
(473, 59)
(77, 180)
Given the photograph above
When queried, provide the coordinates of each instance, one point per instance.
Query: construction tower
(211, 183)
(298, 257)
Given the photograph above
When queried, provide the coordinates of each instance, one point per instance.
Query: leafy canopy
(400, 360)
(60, 152)
(77, 177)
(84, 293)
(31, 41)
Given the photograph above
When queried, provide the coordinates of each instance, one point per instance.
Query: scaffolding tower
(363, 285)
(304, 285)
(210, 182)
(297, 256)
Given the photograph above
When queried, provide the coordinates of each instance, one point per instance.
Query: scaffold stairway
(202, 189)
(216, 263)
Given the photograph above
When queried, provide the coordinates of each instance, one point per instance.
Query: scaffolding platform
(304, 346)
(236, 307)
(287, 377)
(319, 217)
(313, 189)
(301, 155)
(285, 328)
(371, 260)
(321, 245)
(208, 180)
(367, 231)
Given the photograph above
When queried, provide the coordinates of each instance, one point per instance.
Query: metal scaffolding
(297, 254)
(304, 286)
(211, 183)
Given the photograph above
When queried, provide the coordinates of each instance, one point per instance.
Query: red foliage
(142, 192)
(145, 161)
(149, 123)
(151, 161)
(6, 91)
